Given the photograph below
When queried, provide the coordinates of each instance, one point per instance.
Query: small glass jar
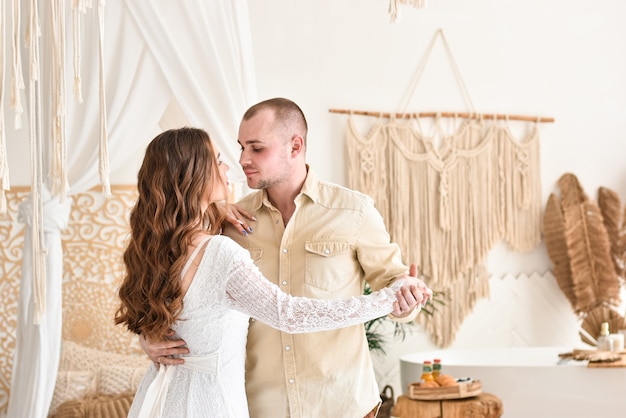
(427, 372)
(436, 368)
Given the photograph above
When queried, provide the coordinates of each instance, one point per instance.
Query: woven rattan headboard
(92, 245)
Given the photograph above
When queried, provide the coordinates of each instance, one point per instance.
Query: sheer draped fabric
(159, 56)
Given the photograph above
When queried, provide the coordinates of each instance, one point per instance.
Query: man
(313, 239)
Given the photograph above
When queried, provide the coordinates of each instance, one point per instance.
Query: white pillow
(72, 385)
(114, 380)
(77, 357)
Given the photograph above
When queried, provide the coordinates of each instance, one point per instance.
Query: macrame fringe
(17, 81)
(60, 184)
(446, 207)
(4, 164)
(4, 171)
(461, 298)
(78, 7)
(58, 168)
(519, 189)
(36, 147)
(104, 148)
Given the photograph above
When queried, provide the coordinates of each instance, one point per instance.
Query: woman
(181, 274)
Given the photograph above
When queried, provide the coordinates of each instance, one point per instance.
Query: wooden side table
(484, 405)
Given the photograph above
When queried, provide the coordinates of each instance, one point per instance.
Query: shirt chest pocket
(329, 264)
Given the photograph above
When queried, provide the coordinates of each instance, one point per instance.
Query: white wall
(563, 59)
(560, 58)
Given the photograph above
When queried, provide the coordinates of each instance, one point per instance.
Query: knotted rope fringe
(447, 207)
(78, 7)
(4, 164)
(60, 185)
(58, 168)
(17, 81)
(36, 148)
(104, 149)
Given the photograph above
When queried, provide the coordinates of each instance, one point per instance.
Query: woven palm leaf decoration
(554, 235)
(615, 223)
(581, 250)
(593, 320)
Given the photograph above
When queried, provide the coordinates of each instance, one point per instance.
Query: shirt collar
(309, 189)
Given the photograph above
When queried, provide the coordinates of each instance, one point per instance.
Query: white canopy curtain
(192, 55)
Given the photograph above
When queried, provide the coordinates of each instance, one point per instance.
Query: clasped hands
(416, 294)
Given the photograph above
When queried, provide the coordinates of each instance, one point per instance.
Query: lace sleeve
(251, 293)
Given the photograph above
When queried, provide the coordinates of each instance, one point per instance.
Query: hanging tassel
(522, 164)
(104, 152)
(4, 163)
(38, 249)
(60, 185)
(17, 81)
(4, 160)
(78, 7)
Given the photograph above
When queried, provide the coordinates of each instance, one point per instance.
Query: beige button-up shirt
(335, 241)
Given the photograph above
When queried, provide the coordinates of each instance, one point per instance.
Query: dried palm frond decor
(585, 242)
(614, 217)
(593, 319)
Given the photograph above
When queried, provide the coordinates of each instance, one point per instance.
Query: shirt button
(287, 348)
(326, 251)
(284, 283)
(292, 381)
(284, 251)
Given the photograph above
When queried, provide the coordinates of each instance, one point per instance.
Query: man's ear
(297, 144)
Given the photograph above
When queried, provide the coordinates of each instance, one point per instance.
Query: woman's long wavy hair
(180, 169)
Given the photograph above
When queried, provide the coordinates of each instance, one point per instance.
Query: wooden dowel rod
(465, 115)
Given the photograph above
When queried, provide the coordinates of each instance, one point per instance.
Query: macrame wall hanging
(448, 198)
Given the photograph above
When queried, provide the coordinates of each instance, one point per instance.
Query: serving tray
(463, 390)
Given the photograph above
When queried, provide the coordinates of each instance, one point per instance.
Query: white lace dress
(226, 291)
